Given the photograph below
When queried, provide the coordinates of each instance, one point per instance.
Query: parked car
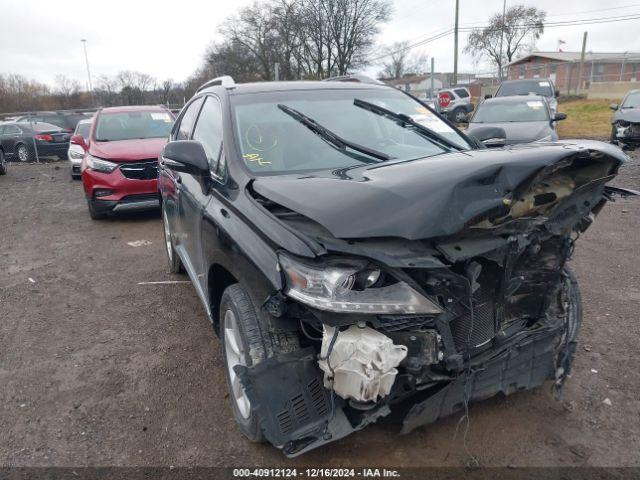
(65, 120)
(354, 250)
(530, 86)
(120, 168)
(455, 103)
(625, 124)
(78, 147)
(510, 120)
(20, 141)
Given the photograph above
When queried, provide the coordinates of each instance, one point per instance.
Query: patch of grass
(585, 119)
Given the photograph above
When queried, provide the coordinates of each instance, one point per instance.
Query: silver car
(76, 148)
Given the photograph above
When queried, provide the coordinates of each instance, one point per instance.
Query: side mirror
(613, 106)
(78, 140)
(559, 116)
(556, 92)
(490, 136)
(488, 96)
(186, 156)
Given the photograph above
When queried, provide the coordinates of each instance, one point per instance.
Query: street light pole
(86, 59)
(455, 46)
(504, 9)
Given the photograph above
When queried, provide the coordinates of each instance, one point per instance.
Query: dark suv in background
(530, 86)
(65, 120)
(358, 254)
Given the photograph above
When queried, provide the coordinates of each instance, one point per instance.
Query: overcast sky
(41, 39)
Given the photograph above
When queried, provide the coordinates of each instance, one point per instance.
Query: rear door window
(462, 93)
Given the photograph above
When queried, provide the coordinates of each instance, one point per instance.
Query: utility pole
(276, 69)
(86, 59)
(432, 73)
(455, 46)
(584, 46)
(504, 10)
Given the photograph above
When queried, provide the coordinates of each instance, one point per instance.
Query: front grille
(144, 170)
(139, 197)
(635, 129)
(398, 323)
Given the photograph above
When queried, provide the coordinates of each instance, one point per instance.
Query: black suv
(358, 254)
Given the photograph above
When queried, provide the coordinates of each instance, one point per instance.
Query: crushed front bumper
(300, 415)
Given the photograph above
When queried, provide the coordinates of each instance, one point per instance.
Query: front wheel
(94, 213)
(459, 115)
(241, 334)
(3, 163)
(173, 260)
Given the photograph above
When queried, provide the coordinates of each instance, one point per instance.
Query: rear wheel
(3, 163)
(246, 342)
(24, 155)
(459, 115)
(173, 260)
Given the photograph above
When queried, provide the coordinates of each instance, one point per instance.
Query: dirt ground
(97, 369)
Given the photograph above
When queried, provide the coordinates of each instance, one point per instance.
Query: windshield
(496, 112)
(537, 87)
(632, 100)
(273, 141)
(132, 125)
(83, 129)
(45, 127)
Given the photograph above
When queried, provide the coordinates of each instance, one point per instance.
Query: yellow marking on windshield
(255, 157)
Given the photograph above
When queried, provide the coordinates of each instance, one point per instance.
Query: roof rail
(354, 78)
(225, 81)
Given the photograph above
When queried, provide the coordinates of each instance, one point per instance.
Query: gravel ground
(97, 369)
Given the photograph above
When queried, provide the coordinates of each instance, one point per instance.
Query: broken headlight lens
(100, 165)
(352, 287)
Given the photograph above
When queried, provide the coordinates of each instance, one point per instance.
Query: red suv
(120, 169)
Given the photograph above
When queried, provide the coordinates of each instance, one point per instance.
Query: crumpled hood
(518, 132)
(424, 198)
(128, 150)
(628, 114)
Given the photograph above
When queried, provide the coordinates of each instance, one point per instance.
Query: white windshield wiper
(405, 121)
(330, 137)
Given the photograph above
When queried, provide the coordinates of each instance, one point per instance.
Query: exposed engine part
(361, 363)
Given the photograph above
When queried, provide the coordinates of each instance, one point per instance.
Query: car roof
(515, 99)
(134, 108)
(298, 85)
(522, 80)
(86, 120)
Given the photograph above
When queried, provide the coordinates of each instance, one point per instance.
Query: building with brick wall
(563, 68)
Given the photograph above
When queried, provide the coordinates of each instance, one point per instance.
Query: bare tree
(502, 40)
(400, 61)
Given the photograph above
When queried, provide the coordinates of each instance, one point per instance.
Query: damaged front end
(476, 300)
(626, 134)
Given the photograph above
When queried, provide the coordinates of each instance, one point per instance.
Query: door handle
(224, 213)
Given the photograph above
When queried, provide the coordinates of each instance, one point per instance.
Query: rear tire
(3, 163)
(246, 342)
(23, 153)
(459, 115)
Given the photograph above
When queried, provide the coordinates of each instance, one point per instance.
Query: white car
(76, 149)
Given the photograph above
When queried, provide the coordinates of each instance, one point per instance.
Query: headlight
(76, 155)
(100, 165)
(352, 287)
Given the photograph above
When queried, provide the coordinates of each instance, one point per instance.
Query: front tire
(3, 163)
(173, 260)
(94, 213)
(459, 115)
(241, 345)
(246, 341)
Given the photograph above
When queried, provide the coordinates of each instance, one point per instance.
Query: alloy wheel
(235, 356)
(23, 153)
(167, 235)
